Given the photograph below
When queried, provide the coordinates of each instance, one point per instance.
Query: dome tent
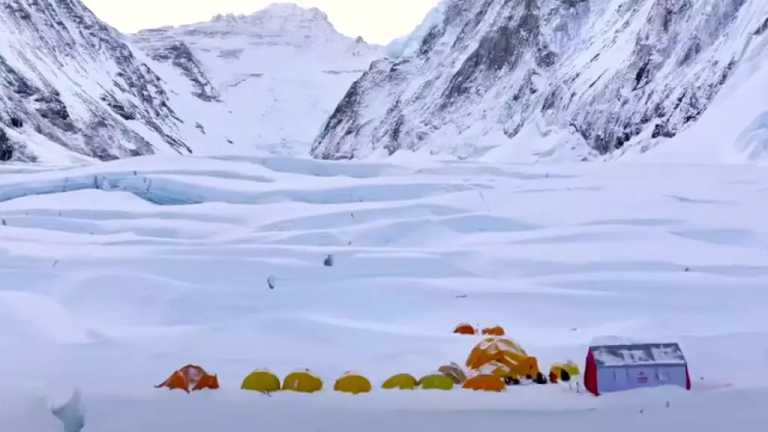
(191, 378)
(353, 384)
(261, 381)
(454, 372)
(465, 329)
(401, 382)
(436, 382)
(303, 382)
(505, 358)
(565, 372)
(494, 331)
(489, 383)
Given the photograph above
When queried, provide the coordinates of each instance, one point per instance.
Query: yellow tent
(353, 383)
(401, 382)
(261, 381)
(303, 382)
(436, 382)
(564, 372)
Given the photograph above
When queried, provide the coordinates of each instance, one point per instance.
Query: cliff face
(73, 88)
(533, 79)
(71, 81)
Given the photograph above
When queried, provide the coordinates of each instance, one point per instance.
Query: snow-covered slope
(535, 79)
(280, 72)
(73, 85)
(116, 274)
(74, 88)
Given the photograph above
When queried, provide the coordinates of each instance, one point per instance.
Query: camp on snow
(616, 368)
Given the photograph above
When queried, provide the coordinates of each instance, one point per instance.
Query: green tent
(401, 382)
(261, 381)
(436, 382)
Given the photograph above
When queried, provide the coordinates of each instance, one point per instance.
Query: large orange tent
(191, 378)
(504, 358)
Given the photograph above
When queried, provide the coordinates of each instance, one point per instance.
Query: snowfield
(114, 275)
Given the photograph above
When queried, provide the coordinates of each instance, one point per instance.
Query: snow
(107, 288)
(279, 72)
(664, 354)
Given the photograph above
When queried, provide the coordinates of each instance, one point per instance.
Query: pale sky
(377, 21)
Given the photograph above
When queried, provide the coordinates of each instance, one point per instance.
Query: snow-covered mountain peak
(278, 24)
(289, 13)
(279, 71)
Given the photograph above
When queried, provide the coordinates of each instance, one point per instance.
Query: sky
(378, 21)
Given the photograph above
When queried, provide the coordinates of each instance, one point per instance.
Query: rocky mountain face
(74, 88)
(551, 79)
(280, 72)
(73, 85)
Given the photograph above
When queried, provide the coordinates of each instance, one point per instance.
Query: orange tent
(465, 329)
(494, 331)
(490, 383)
(191, 378)
(503, 357)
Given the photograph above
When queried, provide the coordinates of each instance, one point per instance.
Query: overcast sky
(376, 20)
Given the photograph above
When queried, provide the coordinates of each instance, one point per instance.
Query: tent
(454, 372)
(436, 382)
(615, 368)
(303, 382)
(505, 358)
(401, 382)
(191, 378)
(261, 381)
(465, 329)
(494, 331)
(565, 372)
(353, 383)
(490, 383)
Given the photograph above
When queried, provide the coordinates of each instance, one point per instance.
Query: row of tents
(194, 378)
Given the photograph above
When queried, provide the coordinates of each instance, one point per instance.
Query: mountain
(73, 86)
(280, 72)
(565, 79)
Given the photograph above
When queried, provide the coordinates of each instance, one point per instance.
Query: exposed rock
(555, 78)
